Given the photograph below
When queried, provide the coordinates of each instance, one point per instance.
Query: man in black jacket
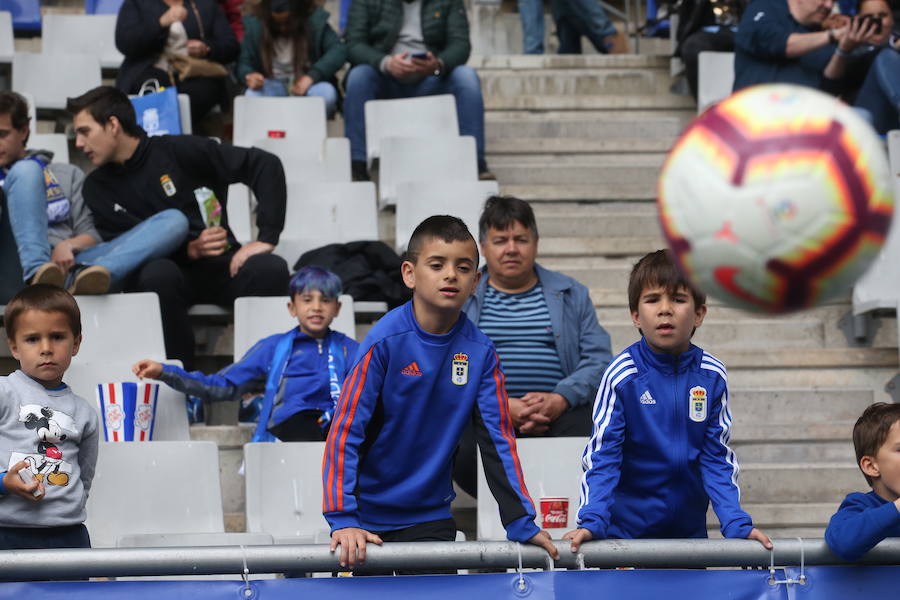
(138, 176)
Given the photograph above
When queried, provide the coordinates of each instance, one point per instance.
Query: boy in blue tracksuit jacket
(423, 372)
(301, 370)
(659, 452)
(863, 520)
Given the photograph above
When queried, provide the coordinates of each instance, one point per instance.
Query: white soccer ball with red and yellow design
(776, 199)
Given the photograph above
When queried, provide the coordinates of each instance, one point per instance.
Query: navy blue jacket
(659, 452)
(760, 44)
(860, 523)
(389, 455)
(305, 386)
(582, 344)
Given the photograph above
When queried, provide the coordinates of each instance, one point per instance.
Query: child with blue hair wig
(301, 370)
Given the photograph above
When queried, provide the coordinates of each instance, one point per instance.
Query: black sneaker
(359, 171)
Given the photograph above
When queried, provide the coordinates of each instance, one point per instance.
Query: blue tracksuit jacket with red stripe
(659, 452)
(389, 456)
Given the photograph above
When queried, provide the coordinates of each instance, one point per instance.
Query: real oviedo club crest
(459, 372)
(697, 410)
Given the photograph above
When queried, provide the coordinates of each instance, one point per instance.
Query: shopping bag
(128, 410)
(156, 109)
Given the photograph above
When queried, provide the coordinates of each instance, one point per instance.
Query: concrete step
(575, 82)
(799, 408)
(798, 482)
(777, 533)
(610, 245)
(598, 169)
(768, 452)
(616, 191)
(595, 220)
(779, 516)
(231, 440)
(541, 62)
(732, 328)
(657, 101)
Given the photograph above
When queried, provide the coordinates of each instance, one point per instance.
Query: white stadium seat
(424, 159)
(54, 142)
(715, 78)
(237, 208)
(327, 213)
(284, 491)
(7, 48)
(52, 78)
(126, 326)
(171, 424)
(258, 317)
(552, 468)
(154, 488)
(88, 34)
(417, 200)
(428, 117)
(879, 288)
(297, 120)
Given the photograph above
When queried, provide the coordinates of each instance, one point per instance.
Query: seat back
(258, 317)
(125, 326)
(284, 490)
(7, 47)
(52, 78)
(26, 14)
(880, 286)
(54, 142)
(299, 121)
(88, 34)
(102, 7)
(428, 117)
(238, 209)
(327, 213)
(417, 200)
(171, 424)
(424, 159)
(552, 468)
(715, 78)
(154, 487)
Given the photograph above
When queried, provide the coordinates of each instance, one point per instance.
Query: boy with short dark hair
(863, 520)
(659, 452)
(301, 370)
(423, 372)
(48, 435)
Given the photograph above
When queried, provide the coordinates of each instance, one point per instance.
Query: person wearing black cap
(290, 49)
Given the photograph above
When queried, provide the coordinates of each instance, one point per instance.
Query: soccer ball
(776, 199)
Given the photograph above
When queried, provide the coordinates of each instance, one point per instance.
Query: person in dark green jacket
(290, 49)
(408, 48)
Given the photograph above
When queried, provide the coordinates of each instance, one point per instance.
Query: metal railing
(118, 562)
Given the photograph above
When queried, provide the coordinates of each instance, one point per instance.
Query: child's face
(444, 276)
(44, 345)
(314, 311)
(884, 467)
(667, 320)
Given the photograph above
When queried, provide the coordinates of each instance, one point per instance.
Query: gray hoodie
(56, 433)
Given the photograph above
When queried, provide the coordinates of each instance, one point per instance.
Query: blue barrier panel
(824, 583)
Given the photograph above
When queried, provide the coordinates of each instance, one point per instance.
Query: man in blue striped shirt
(544, 327)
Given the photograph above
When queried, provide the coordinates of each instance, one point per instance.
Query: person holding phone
(404, 49)
(873, 79)
(290, 49)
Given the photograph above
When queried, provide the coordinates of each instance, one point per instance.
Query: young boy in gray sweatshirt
(48, 435)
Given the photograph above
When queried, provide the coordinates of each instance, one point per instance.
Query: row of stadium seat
(146, 491)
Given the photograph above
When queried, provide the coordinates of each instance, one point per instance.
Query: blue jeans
(532, 14)
(367, 83)
(576, 18)
(26, 201)
(880, 91)
(279, 87)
